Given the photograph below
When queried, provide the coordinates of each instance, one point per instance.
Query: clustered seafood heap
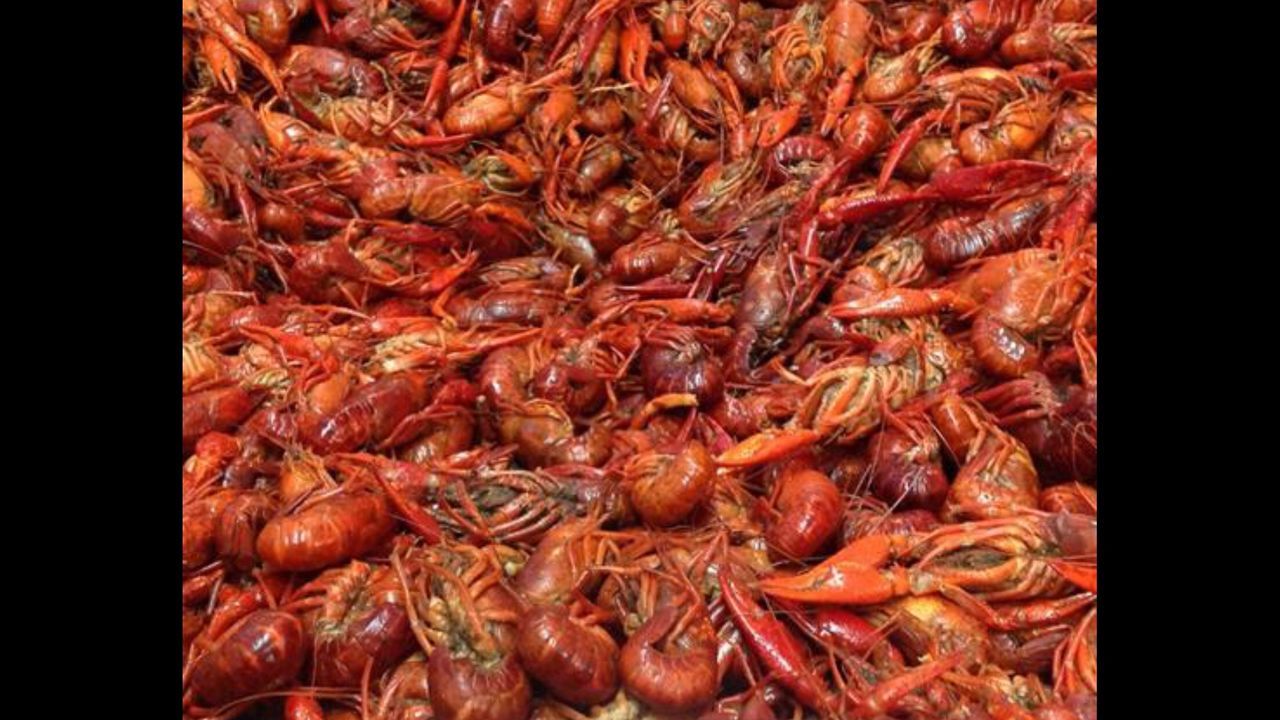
(632, 358)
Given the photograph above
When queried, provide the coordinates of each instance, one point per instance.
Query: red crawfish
(845, 402)
(783, 654)
(1012, 561)
(262, 652)
(357, 619)
(326, 531)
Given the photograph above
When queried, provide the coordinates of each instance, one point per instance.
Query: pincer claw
(768, 446)
(990, 179)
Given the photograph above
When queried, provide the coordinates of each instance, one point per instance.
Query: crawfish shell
(263, 652)
(461, 689)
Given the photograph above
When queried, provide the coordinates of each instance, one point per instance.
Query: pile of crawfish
(639, 358)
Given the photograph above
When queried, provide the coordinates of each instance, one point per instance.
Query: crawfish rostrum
(639, 358)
